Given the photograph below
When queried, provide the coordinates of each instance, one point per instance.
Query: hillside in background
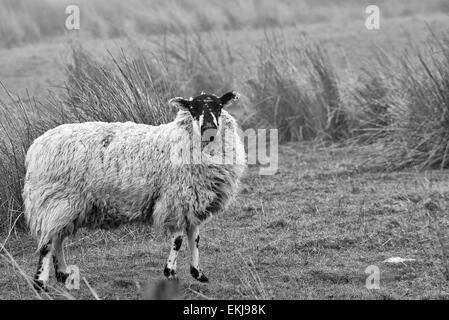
(23, 21)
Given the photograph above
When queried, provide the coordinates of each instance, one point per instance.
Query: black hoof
(198, 275)
(61, 276)
(203, 278)
(170, 273)
(39, 286)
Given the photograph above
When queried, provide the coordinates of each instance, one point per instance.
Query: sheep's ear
(227, 98)
(180, 103)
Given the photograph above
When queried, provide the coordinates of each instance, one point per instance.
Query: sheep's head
(205, 110)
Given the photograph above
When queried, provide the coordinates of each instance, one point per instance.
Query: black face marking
(208, 108)
(205, 104)
(178, 243)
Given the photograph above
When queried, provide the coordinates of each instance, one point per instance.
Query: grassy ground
(309, 231)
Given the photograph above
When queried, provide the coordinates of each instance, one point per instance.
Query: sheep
(101, 175)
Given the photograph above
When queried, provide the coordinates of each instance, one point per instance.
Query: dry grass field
(312, 238)
(350, 191)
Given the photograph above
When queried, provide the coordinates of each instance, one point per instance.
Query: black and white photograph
(207, 150)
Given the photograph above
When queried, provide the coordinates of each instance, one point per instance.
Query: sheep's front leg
(170, 267)
(193, 234)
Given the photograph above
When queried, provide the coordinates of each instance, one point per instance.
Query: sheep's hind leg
(59, 260)
(43, 269)
(170, 267)
(193, 234)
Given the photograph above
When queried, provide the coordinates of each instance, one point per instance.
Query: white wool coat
(101, 175)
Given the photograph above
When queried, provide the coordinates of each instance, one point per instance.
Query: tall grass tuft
(414, 129)
(16, 134)
(374, 97)
(327, 92)
(200, 62)
(296, 90)
(128, 89)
